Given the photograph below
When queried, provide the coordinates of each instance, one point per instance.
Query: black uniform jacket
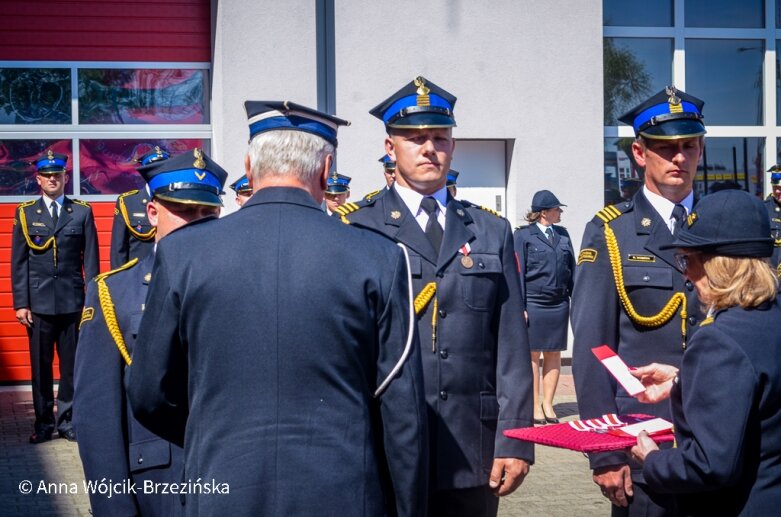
(727, 419)
(112, 444)
(650, 278)
(477, 369)
(264, 338)
(546, 268)
(132, 236)
(774, 212)
(43, 282)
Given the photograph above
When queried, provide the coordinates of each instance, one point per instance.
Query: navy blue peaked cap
(728, 222)
(543, 200)
(285, 115)
(155, 155)
(241, 186)
(338, 183)
(51, 163)
(667, 115)
(419, 104)
(775, 175)
(387, 164)
(452, 178)
(190, 178)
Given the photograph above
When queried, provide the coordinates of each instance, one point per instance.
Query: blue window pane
(634, 69)
(725, 13)
(109, 166)
(727, 75)
(623, 176)
(17, 169)
(637, 13)
(35, 96)
(154, 96)
(731, 163)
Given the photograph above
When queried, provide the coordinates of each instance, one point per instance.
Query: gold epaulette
(80, 202)
(345, 209)
(707, 321)
(489, 210)
(370, 195)
(107, 306)
(25, 204)
(128, 193)
(608, 214)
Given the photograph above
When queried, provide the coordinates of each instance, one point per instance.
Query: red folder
(565, 436)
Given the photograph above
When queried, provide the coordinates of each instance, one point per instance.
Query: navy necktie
(434, 230)
(549, 234)
(55, 217)
(679, 214)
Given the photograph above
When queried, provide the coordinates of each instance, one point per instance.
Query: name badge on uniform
(139, 214)
(642, 258)
(36, 223)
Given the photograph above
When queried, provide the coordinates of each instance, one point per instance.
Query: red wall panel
(105, 30)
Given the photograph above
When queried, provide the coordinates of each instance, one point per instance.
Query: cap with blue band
(242, 186)
(775, 175)
(387, 164)
(452, 178)
(288, 116)
(154, 155)
(337, 183)
(419, 104)
(669, 114)
(51, 163)
(191, 178)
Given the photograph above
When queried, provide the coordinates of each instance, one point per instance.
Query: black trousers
(478, 501)
(48, 331)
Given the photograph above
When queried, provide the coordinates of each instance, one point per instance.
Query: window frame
(770, 129)
(76, 132)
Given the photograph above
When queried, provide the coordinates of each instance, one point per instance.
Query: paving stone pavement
(559, 484)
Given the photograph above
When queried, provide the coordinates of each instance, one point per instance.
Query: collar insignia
(395, 214)
(692, 217)
(147, 277)
(645, 222)
(460, 212)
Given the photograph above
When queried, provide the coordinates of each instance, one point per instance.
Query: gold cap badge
(673, 100)
(198, 163)
(422, 91)
(50, 154)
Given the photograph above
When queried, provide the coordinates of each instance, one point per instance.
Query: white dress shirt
(664, 207)
(412, 199)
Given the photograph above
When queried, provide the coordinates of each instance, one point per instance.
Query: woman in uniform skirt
(547, 263)
(725, 399)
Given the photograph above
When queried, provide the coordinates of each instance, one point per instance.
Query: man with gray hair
(297, 389)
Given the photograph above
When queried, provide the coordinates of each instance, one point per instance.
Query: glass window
(727, 75)
(637, 13)
(623, 177)
(155, 96)
(35, 96)
(634, 69)
(109, 166)
(17, 165)
(731, 163)
(725, 13)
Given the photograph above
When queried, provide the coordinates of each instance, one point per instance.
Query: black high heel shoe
(548, 419)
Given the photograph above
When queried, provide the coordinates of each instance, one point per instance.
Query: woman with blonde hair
(726, 397)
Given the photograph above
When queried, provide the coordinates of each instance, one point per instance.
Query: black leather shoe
(548, 419)
(40, 436)
(69, 435)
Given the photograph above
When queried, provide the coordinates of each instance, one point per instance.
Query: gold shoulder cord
(421, 301)
(50, 242)
(138, 235)
(657, 320)
(107, 306)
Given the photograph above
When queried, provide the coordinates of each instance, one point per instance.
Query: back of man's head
(295, 154)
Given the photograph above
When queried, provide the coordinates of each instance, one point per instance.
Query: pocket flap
(415, 265)
(481, 264)
(648, 277)
(148, 454)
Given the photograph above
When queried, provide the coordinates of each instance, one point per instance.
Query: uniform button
(443, 354)
(481, 265)
(55, 276)
(140, 460)
(442, 313)
(689, 285)
(692, 320)
(646, 278)
(443, 395)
